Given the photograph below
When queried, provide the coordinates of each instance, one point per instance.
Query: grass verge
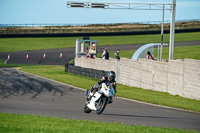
(2, 64)
(57, 73)
(24, 44)
(13, 123)
(181, 52)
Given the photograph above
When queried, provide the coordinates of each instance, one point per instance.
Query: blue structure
(141, 52)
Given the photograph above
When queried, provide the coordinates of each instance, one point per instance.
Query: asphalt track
(52, 55)
(23, 93)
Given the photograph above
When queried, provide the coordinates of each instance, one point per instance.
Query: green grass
(182, 52)
(123, 54)
(24, 44)
(192, 52)
(2, 64)
(15, 123)
(57, 73)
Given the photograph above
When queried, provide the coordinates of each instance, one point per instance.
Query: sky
(56, 12)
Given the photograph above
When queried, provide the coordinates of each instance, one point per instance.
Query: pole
(162, 31)
(77, 49)
(172, 30)
(158, 53)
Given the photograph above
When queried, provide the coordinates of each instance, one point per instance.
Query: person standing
(149, 56)
(106, 55)
(87, 53)
(117, 54)
(103, 54)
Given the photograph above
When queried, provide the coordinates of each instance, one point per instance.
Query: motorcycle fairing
(91, 105)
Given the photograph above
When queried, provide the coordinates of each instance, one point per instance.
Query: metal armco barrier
(87, 72)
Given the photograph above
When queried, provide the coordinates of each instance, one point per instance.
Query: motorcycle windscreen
(107, 90)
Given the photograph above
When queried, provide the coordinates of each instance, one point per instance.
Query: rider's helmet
(111, 75)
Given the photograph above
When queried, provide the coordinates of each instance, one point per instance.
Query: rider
(110, 79)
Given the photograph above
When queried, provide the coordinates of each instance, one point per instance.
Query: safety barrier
(88, 72)
(174, 77)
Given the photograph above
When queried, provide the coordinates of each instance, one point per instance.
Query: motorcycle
(98, 100)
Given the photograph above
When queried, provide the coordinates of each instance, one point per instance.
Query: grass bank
(13, 123)
(24, 44)
(181, 52)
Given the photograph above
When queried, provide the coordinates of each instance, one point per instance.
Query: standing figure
(149, 56)
(117, 54)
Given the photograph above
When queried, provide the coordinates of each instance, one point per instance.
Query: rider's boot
(89, 96)
(86, 93)
(111, 100)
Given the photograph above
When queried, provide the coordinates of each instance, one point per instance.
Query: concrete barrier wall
(191, 79)
(175, 77)
(98, 63)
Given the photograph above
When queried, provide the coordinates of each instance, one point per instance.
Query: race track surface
(53, 55)
(23, 93)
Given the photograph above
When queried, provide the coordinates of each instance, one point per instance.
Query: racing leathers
(103, 80)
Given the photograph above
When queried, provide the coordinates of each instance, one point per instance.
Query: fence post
(118, 71)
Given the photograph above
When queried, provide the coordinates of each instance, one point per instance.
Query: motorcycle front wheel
(101, 106)
(86, 109)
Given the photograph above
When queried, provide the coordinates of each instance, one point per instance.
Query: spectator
(93, 46)
(149, 56)
(87, 53)
(105, 54)
(117, 54)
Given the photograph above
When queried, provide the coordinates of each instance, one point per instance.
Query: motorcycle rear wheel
(102, 105)
(86, 109)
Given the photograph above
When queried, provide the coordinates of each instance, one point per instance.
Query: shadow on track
(15, 83)
(145, 116)
(123, 115)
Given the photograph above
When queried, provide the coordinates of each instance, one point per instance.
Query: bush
(71, 62)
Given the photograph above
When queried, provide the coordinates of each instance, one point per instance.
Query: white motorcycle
(97, 101)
